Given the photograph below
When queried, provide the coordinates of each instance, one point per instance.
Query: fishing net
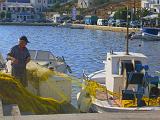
(45, 82)
(93, 88)
(87, 95)
(12, 92)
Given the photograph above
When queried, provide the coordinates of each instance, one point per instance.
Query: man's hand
(14, 61)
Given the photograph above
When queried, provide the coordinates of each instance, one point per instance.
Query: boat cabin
(124, 71)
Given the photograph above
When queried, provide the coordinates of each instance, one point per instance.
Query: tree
(122, 14)
(2, 14)
(8, 15)
(140, 13)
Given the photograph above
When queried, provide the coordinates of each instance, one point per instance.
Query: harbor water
(83, 49)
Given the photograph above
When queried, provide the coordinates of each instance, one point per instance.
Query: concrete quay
(1, 111)
(107, 28)
(144, 115)
(90, 116)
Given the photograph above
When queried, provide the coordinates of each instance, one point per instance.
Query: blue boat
(151, 33)
(147, 33)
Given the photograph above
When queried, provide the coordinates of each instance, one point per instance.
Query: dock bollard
(15, 112)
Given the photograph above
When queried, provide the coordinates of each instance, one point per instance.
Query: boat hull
(150, 37)
(101, 109)
(145, 36)
(150, 34)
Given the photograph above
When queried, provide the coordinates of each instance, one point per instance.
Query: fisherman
(19, 56)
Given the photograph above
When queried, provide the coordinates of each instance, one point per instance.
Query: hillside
(105, 9)
(101, 10)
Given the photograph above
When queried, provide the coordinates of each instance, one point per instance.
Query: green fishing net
(12, 92)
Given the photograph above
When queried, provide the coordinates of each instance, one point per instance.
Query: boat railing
(85, 76)
(95, 73)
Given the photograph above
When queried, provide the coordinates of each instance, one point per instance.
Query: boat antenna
(127, 38)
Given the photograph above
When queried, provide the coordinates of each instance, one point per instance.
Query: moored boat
(123, 85)
(77, 27)
(150, 34)
(48, 60)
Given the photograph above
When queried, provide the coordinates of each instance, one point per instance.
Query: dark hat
(24, 38)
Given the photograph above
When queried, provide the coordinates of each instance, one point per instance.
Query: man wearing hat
(19, 56)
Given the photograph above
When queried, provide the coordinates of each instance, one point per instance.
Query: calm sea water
(82, 49)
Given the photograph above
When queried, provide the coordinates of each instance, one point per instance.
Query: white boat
(47, 59)
(151, 34)
(74, 26)
(126, 84)
(65, 24)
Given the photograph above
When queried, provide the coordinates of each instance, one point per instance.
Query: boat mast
(127, 39)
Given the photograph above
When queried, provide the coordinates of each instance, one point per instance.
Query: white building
(84, 3)
(56, 18)
(25, 10)
(20, 11)
(153, 5)
(43, 5)
(39, 5)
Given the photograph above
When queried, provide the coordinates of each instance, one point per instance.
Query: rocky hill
(105, 10)
(101, 10)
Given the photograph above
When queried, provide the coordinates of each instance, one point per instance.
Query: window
(126, 65)
(18, 9)
(4, 8)
(23, 9)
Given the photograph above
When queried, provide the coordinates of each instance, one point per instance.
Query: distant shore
(28, 24)
(93, 27)
(107, 28)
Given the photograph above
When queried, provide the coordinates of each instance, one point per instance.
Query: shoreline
(107, 28)
(92, 27)
(28, 24)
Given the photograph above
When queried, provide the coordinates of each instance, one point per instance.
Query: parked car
(91, 20)
(121, 23)
(111, 22)
(135, 24)
(102, 22)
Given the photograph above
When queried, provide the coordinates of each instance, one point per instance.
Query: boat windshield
(41, 55)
